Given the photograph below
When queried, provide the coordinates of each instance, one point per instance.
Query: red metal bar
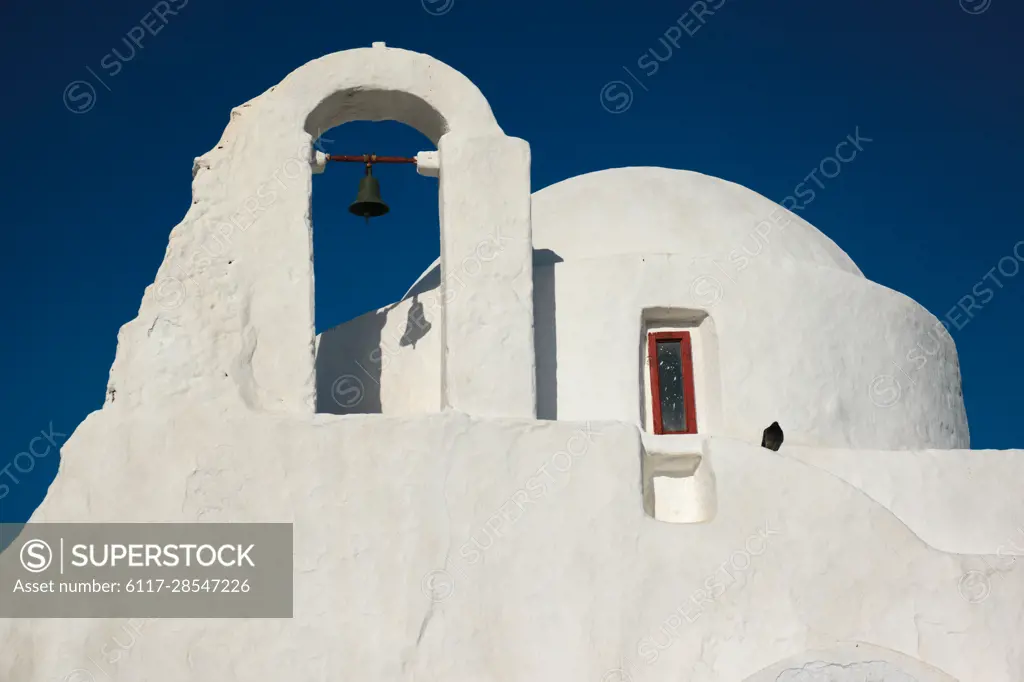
(369, 158)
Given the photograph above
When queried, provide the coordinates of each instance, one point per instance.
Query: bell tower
(236, 323)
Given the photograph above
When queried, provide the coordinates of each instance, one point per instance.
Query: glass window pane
(670, 384)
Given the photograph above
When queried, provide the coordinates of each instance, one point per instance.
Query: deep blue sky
(758, 95)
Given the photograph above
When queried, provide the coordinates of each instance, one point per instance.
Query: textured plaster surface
(662, 210)
(230, 316)
(451, 548)
(851, 662)
(386, 361)
(793, 332)
(938, 493)
(809, 362)
(674, 211)
(485, 238)
(473, 548)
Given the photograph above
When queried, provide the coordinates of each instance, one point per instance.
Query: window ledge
(673, 444)
(678, 482)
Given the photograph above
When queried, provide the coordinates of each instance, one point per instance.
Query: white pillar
(487, 360)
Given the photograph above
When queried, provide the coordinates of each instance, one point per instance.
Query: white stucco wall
(807, 360)
(384, 362)
(664, 210)
(230, 315)
(448, 547)
(431, 544)
(794, 333)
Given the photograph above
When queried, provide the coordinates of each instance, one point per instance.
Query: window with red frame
(670, 358)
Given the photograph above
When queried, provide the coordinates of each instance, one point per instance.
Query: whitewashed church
(545, 463)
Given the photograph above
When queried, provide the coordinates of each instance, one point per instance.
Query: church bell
(368, 203)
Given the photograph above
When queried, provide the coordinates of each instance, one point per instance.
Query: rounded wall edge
(386, 83)
(839, 361)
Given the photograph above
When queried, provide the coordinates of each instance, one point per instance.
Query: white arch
(387, 84)
(230, 316)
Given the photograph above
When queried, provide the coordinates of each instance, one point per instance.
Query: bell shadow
(348, 358)
(416, 324)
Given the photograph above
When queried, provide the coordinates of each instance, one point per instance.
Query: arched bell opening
(377, 105)
(368, 352)
(367, 347)
(242, 325)
(486, 251)
(363, 265)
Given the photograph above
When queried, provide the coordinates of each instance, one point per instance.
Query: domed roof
(644, 210)
(661, 210)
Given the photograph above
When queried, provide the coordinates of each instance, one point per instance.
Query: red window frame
(689, 395)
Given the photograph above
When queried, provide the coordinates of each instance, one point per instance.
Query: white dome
(797, 334)
(646, 210)
(661, 210)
